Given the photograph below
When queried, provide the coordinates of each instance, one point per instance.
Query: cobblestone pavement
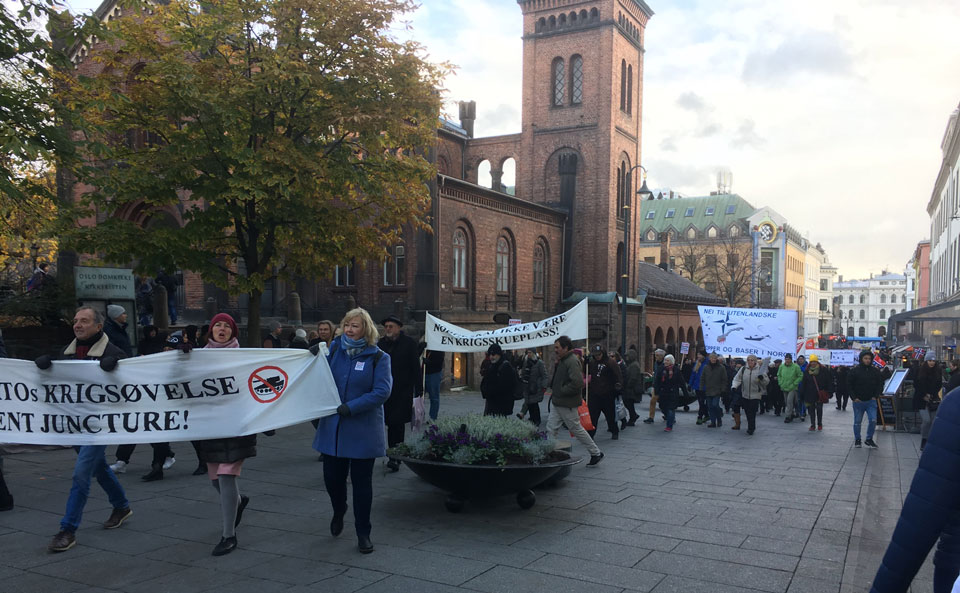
(699, 509)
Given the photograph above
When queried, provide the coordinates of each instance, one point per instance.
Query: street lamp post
(625, 276)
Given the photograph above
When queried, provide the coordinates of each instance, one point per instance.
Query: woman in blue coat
(352, 439)
(931, 511)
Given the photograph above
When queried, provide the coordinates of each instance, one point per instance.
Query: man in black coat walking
(405, 366)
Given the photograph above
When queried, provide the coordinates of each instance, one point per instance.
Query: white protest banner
(684, 347)
(170, 396)
(446, 337)
(822, 354)
(739, 332)
(843, 358)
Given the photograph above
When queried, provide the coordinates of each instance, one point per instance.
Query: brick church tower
(581, 118)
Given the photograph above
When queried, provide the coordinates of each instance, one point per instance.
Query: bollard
(210, 308)
(294, 314)
(161, 315)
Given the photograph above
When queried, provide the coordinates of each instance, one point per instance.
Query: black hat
(174, 340)
(598, 349)
(788, 355)
(494, 349)
(392, 318)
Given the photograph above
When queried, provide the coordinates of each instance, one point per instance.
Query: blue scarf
(353, 347)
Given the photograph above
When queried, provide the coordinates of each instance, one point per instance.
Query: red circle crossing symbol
(267, 384)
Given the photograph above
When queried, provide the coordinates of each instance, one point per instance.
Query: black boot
(6, 499)
(156, 473)
(201, 469)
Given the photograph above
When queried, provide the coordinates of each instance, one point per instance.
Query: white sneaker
(120, 467)
(168, 462)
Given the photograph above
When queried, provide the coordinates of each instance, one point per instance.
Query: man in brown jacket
(567, 387)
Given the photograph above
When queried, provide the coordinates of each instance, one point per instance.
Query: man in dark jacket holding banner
(90, 344)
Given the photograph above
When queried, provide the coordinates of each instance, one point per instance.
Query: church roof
(659, 283)
(701, 212)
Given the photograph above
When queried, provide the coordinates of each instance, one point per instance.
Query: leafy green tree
(29, 133)
(288, 134)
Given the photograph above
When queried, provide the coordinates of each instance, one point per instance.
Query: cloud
(692, 102)
(709, 129)
(746, 135)
(668, 144)
(804, 53)
(688, 179)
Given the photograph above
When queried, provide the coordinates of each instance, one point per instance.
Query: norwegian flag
(878, 362)
(919, 353)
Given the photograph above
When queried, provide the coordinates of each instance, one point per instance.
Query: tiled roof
(659, 283)
(700, 212)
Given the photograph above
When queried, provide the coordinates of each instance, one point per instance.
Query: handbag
(584, 413)
(419, 414)
(823, 394)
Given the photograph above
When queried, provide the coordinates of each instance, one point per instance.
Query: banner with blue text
(740, 332)
(170, 396)
(446, 337)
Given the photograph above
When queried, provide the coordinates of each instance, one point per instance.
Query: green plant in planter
(473, 439)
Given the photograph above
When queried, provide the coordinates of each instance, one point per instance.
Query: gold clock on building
(768, 231)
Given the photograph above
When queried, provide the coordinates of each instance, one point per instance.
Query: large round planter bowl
(463, 482)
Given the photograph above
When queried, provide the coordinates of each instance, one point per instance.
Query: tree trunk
(253, 319)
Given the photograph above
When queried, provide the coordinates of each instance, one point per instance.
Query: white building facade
(910, 273)
(814, 261)
(866, 305)
(945, 218)
(828, 276)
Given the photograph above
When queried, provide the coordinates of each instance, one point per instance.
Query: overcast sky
(829, 111)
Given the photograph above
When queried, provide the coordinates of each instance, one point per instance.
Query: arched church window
(576, 80)
(459, 259)
(559, 82)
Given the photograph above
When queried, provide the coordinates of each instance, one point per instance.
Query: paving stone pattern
(711, 510)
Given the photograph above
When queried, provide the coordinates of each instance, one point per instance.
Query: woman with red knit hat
(225, 457)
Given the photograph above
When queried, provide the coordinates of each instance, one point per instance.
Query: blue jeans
(433, 389)
(172, 306)
(671, 416)
(91, 462)
(870, 407)
(716, 412)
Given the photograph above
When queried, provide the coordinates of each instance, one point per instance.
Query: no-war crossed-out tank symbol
(267, 384)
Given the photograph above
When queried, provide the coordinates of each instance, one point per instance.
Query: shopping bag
(419, 414)
(585, 420)
(622, 410)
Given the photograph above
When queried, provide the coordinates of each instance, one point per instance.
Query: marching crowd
(378, 378)
(612, 386)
